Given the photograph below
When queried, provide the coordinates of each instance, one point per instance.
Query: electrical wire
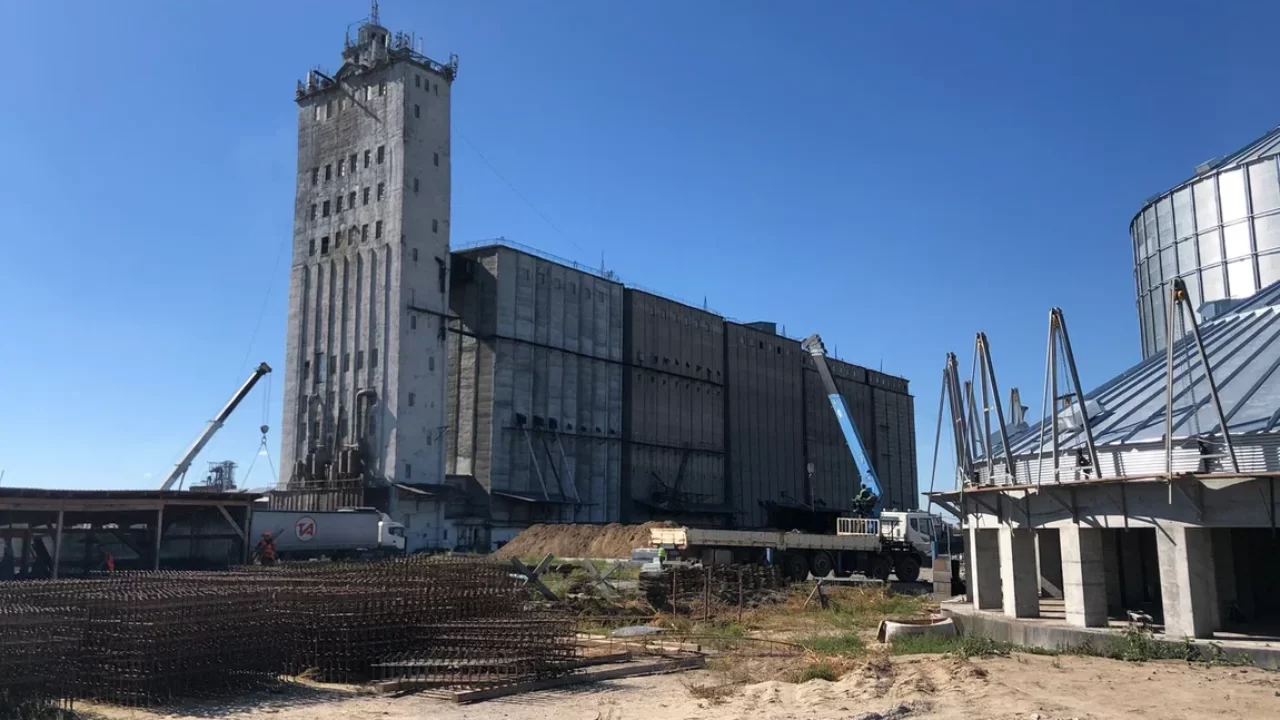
(513, 188)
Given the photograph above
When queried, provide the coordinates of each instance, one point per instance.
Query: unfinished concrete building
(364, 403)
(1154, 498)
(574, 398)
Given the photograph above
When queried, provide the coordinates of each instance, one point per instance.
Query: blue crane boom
(861, 458)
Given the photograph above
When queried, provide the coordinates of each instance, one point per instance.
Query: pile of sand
(592, 541)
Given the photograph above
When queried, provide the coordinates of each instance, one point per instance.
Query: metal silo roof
(1243, 347)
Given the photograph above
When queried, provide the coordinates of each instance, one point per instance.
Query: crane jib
(861, 457)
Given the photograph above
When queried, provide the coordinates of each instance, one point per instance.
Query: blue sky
(894, 175)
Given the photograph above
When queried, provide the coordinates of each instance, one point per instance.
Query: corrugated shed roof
(1243, 348)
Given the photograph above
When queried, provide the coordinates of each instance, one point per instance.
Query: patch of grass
(964, 646)
(816, 671)
(923, 644)
(848, 644)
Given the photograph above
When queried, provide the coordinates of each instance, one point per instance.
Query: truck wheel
(907, 569)
(796, 567)
(879, 567)
(821, 564)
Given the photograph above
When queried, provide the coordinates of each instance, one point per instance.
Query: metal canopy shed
(60, 532)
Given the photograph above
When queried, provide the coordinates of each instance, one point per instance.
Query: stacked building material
(152, 638)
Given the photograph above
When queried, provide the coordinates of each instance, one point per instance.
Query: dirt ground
(924, 686)
(593, 541)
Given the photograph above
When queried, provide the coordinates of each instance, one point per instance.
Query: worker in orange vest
(267, 549)
(109, 560)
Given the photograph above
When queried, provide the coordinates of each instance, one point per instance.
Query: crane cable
(262, 446)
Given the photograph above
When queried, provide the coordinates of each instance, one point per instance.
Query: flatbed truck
(898, 542)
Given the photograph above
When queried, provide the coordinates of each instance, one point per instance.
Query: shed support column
(984, 564)
(155, 564)
(1019, 581)
(1224, 570)
(1187, 585)
(57, 547)
(1083, 576)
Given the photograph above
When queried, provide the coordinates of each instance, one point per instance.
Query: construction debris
(139, 639)
(698, 590)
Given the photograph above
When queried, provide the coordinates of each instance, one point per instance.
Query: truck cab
(916, 528)
(391, 535)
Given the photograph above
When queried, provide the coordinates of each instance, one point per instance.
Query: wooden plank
(638, 670)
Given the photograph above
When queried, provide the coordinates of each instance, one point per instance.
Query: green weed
(848, 644)
(816, 671)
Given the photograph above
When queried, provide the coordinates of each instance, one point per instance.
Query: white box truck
(348, 533)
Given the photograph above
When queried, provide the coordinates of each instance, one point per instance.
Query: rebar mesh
(153, 638)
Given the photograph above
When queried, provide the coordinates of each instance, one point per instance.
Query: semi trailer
(343, 534)
(897, 542)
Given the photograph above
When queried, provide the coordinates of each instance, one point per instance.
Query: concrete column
(1084, 577)
(984, 566)
(1019, 583)
(1188, 589)
(1224, 570)
(1049, 554)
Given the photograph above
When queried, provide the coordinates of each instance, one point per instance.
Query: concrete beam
(1084, 577)
(1188, 588)
(984, 566)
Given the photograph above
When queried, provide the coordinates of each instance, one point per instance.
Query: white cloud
(146, 476)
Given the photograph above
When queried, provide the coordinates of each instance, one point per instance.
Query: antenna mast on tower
(373, 13)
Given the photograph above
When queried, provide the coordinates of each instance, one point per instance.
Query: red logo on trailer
(305, 529)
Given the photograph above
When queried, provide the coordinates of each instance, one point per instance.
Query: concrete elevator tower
(365, 366)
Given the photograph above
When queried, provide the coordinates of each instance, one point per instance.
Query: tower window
(373, 357)
(351, 162)
(315, 176)
(324, 245)
(435, 88)
(342, 167)
(382, 88)
(346, 362)
(359, 359)
(431, 363)
(413, 322)
(435, 159)
(408, 471)
(328, 173)
(364, 232)
(313, 211)
(312, 249)
(365, 196)
(325, 210)
(351, 235)
(367, 154)
(377, 230)
(328, 110)
(411, 399)
(417, 111)
(435, 225)
(417, 81)
(380, 190)
(415, 184)
(351, 199)
(339, 203)
(415, 254)
(382, 149)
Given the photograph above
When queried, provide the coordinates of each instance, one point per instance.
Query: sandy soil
(1021, 686)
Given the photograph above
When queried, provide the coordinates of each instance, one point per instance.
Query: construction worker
(108, 560)
(267, 549)
(662, 555)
